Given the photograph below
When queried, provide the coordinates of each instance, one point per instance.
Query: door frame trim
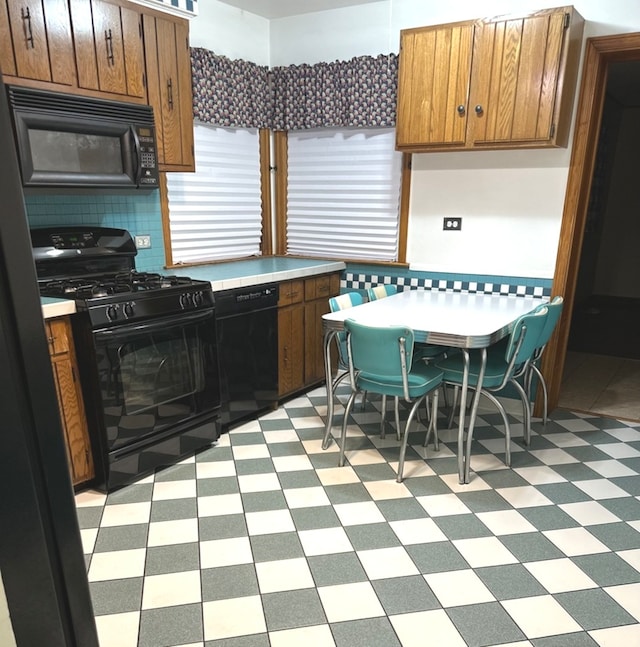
(599, 52)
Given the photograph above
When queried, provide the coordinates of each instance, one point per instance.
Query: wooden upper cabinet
(168, 65)
(495, 83)
(40, 32)
(434, 76)
(108, 47)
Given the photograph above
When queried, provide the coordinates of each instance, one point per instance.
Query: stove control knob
(128, 310)
(186, 301)
(197, 298)
(112, 313)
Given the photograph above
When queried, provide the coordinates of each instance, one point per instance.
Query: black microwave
(71, 141)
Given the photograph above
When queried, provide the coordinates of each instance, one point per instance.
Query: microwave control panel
(148, 157)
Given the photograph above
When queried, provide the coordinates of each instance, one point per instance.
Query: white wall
(511, 201)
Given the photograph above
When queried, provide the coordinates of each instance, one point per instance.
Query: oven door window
(156, 375)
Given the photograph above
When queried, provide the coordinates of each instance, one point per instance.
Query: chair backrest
(344, 301)
(524, 339)
(381, 291)
(555, 310)
(380, 352)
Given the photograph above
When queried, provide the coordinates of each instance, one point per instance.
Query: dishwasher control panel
(240, 300)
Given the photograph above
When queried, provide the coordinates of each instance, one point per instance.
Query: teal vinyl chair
(381, 291)
(506, 363)
(381, 361)
(555, 311)
(342, 302)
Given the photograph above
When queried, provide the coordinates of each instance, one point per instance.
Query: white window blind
(215, 213)
(343, 194)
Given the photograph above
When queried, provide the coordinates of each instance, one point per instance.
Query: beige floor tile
(118, 629)
(413, 627)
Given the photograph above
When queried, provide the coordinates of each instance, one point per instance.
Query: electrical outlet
(452, 224)
(143, 241)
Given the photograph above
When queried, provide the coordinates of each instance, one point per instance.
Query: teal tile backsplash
(138, 213)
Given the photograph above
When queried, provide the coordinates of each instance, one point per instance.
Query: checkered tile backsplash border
(353, 280)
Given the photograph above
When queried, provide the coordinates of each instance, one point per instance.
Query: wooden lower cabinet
(72, 414)
(301, 306)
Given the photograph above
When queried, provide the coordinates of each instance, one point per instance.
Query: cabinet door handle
(478, 109)
(108, 39)
(28, 31)
(170, 93)
(461, 110)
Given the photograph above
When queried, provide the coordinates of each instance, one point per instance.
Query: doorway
(601, 58)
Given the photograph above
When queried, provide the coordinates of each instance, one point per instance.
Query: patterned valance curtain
(234, 94)
(360, 92)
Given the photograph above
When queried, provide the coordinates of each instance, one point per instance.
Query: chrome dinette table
(456, 319)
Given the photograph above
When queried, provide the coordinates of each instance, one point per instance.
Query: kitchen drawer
(291, 292)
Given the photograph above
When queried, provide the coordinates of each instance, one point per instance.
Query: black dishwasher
(247, 325)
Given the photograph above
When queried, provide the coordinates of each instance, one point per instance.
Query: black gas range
(146, 349)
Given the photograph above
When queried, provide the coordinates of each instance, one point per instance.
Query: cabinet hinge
(140, 28)
(73, 373)
(567, 20)
(552, 131)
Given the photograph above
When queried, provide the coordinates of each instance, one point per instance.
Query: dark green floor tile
(372, 535)
(630, 484)
(281, 545)
(324, 460)
(486, 624)
(563, 492)
(229, 582)
(531, 547)
(616, 536)
(510, 581)
(215, 454)
(222, 527)
(218, 485)
(607, 569)
(89, 517)
(348, 493)
(501, 478)
(426, 485)
(249, 438)
(254, 640)
(261, 501)
(286, 449)
(548, 517)
(314, 518)
(301, 412)
(116, 596)
(275, 424)
(462, 526)
(582, 639)
(400, 509)
(340, 568)
(484, 501)
(298, 479)
(576, 472)
(254, 466)
(625, 508)
(371, 632)
(375, 472)
(587, 453)
(121, 538)
(594, 609)
(448, 465)
(173, 509)
(291, 609)
(310, 433)
(631, 463)
(522, 459)
(436, 557)
(177, 625)
(172, 559)
(405, 595)
(176, 473)
(134, 493)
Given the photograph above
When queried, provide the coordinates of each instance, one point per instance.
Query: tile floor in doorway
(262, 541)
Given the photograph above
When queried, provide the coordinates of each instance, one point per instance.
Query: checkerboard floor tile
(262, 541)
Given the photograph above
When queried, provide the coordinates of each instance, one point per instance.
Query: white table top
(447, 318)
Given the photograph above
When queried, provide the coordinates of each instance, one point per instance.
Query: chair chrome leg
(433, 423)
(405, 438)
(383, 414)
(545, 398)
(507, 426)
(343, 435)
(526, 410)
(397, 412)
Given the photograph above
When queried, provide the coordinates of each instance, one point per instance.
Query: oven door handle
(157, 324)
